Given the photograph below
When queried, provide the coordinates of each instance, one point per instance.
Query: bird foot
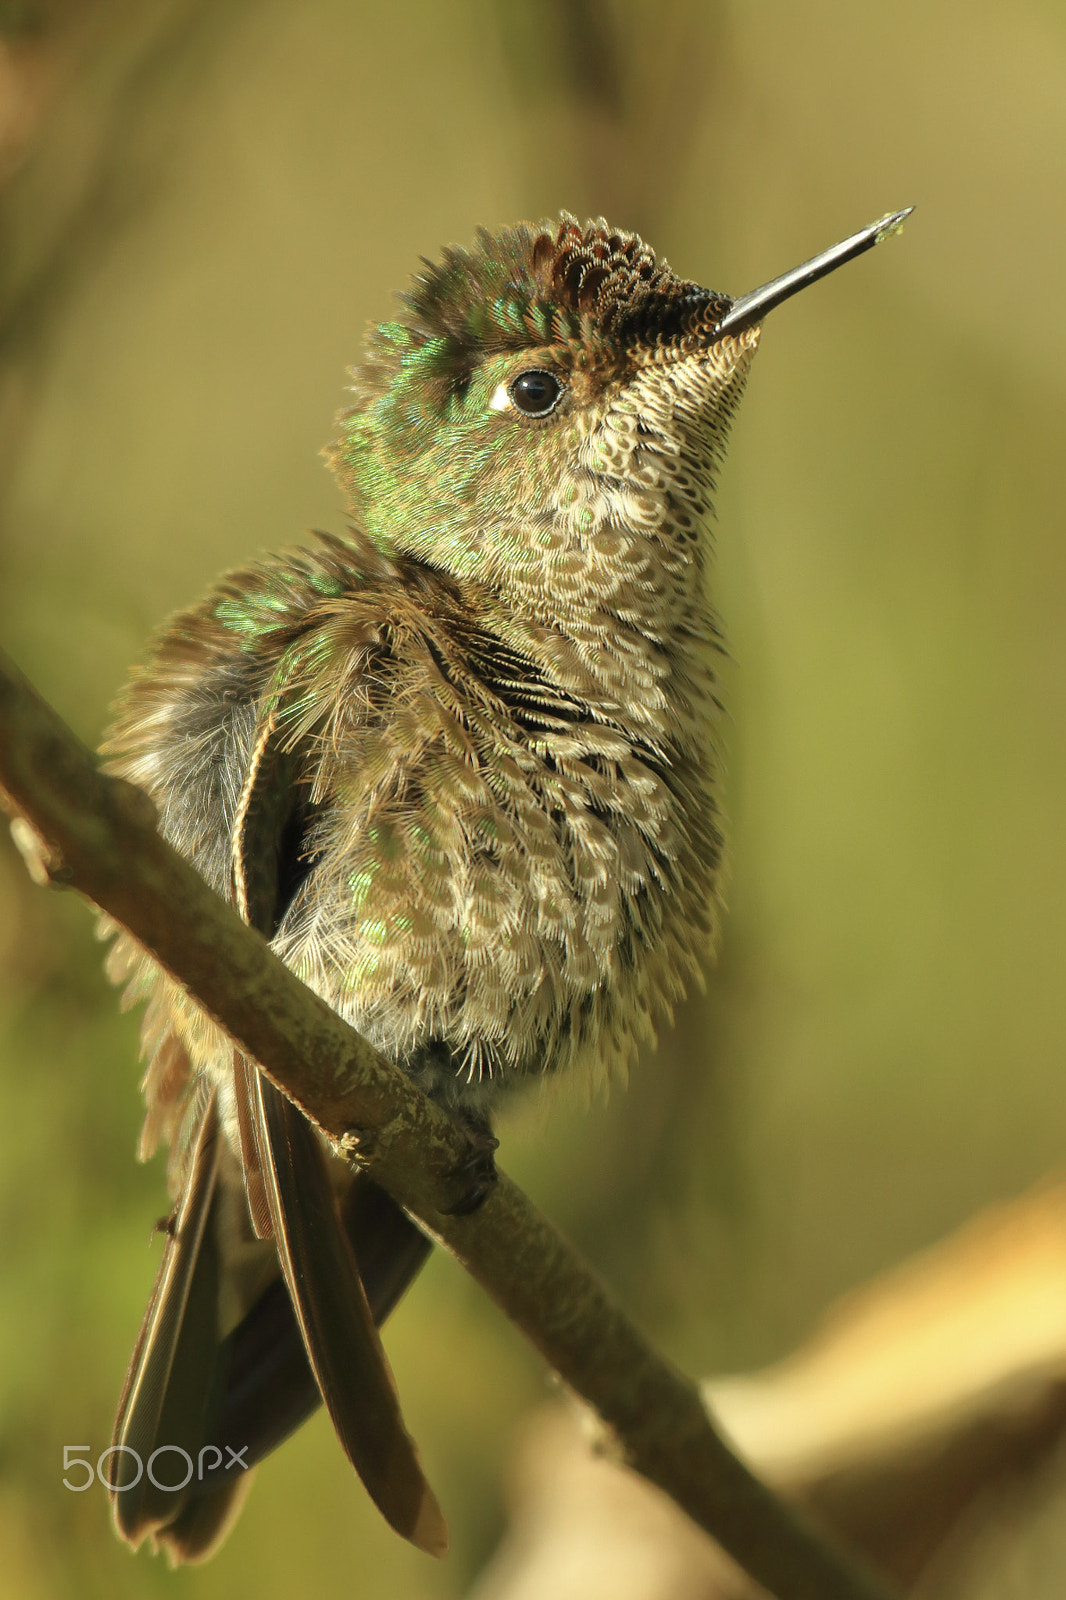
(475, 1176)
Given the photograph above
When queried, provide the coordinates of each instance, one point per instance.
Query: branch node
(368, 1147)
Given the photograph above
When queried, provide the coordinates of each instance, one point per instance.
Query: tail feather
(226, 1402)
(271, 1388)
(339, 1334)
(203, 1522)
(174, 1379)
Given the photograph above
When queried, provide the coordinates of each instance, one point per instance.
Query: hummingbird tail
(338, 1327)
(206, 1407)
(173, 1380)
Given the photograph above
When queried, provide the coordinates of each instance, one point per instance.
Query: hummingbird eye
(535, 393)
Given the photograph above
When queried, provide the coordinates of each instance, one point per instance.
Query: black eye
(535, 393)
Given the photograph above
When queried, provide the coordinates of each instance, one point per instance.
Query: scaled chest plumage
(496, 865)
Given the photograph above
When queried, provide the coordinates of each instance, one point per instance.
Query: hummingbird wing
(335, 1320)
(225, 1397)
(270, 1387)
(290, 1187)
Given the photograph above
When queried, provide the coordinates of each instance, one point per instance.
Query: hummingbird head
(545, 417)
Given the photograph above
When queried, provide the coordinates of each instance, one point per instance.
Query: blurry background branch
(925, 1419)
(88, 125)
(91, 108)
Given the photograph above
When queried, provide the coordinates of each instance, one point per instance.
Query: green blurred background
(202, 205)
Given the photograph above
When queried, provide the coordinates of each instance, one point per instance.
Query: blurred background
(202, 203)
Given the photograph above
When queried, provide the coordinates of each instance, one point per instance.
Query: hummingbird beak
(752, 308)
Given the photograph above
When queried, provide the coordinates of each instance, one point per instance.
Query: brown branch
(97, 835)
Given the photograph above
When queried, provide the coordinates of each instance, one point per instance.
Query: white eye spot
(501, 400)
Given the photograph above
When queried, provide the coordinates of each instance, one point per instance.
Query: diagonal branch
(97, 834)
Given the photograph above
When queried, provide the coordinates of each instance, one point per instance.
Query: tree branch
(97, 834)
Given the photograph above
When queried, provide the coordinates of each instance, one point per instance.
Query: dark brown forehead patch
(530, 286)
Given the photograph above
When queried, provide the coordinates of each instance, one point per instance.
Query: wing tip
(430, 1531)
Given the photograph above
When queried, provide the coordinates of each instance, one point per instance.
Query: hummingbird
(458, 766)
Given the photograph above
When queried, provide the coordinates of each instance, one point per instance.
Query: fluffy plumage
(459, 764)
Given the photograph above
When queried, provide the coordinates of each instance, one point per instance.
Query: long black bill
(751, 308)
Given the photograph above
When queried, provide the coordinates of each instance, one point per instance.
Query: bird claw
(475, 1175)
